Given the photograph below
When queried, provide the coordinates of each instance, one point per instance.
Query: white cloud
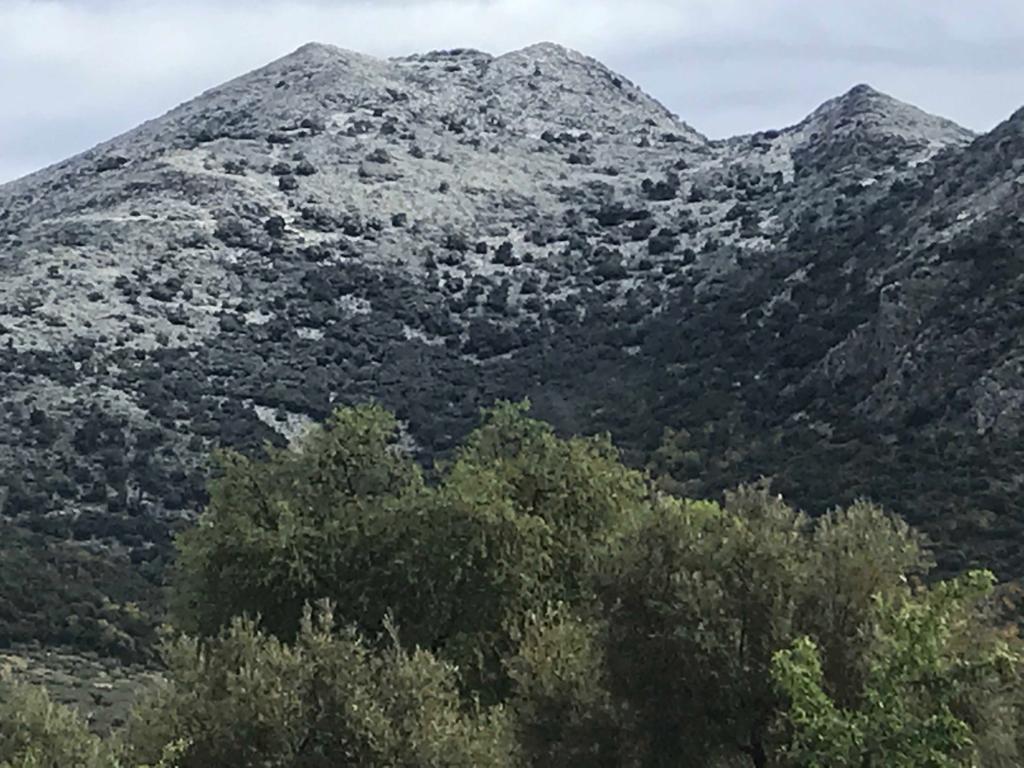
(75, 73)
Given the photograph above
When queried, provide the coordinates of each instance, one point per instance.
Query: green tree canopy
(534, 602)
(927, 669)
(345, 515)
(36, 733)
(245, 698)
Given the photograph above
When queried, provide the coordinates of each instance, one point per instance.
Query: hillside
(835, 304)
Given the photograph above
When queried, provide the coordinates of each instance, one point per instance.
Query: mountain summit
(828, 304)
(863, 108)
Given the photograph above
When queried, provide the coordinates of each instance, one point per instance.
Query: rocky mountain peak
(548, 82)
(315, 50)
(870, 114)
(859, 98)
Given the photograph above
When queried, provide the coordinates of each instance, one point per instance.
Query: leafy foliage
(36, 733)
(56, 592)
(544, 605)
(347, 516)
(324, 520)
(564, 712)
(924, 664)
(709, 593)
(247, 699)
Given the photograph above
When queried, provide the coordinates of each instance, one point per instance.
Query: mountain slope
(833, 304)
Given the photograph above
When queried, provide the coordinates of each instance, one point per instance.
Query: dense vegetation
(535, 602)
(58, 593)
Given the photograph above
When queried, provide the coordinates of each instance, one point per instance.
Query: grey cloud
(960, 56)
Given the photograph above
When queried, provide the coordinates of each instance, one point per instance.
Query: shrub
(244, 698)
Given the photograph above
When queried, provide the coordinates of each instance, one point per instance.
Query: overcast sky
(76, 72)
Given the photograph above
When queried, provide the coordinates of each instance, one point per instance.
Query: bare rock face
(834, 304)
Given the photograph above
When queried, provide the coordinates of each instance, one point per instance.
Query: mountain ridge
(829, 303)
(323, 52)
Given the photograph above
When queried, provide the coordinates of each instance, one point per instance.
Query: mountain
(835, 304)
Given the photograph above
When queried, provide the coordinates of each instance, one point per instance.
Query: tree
(525, 516)
(510, 525)
(247, 699)
(577, 486)
(244, 698)
(714, 593)
(37, 733)
(926, 664)
(329, 518)
(544, 605)
(855, 556)
(564, 713)
(709, 593)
